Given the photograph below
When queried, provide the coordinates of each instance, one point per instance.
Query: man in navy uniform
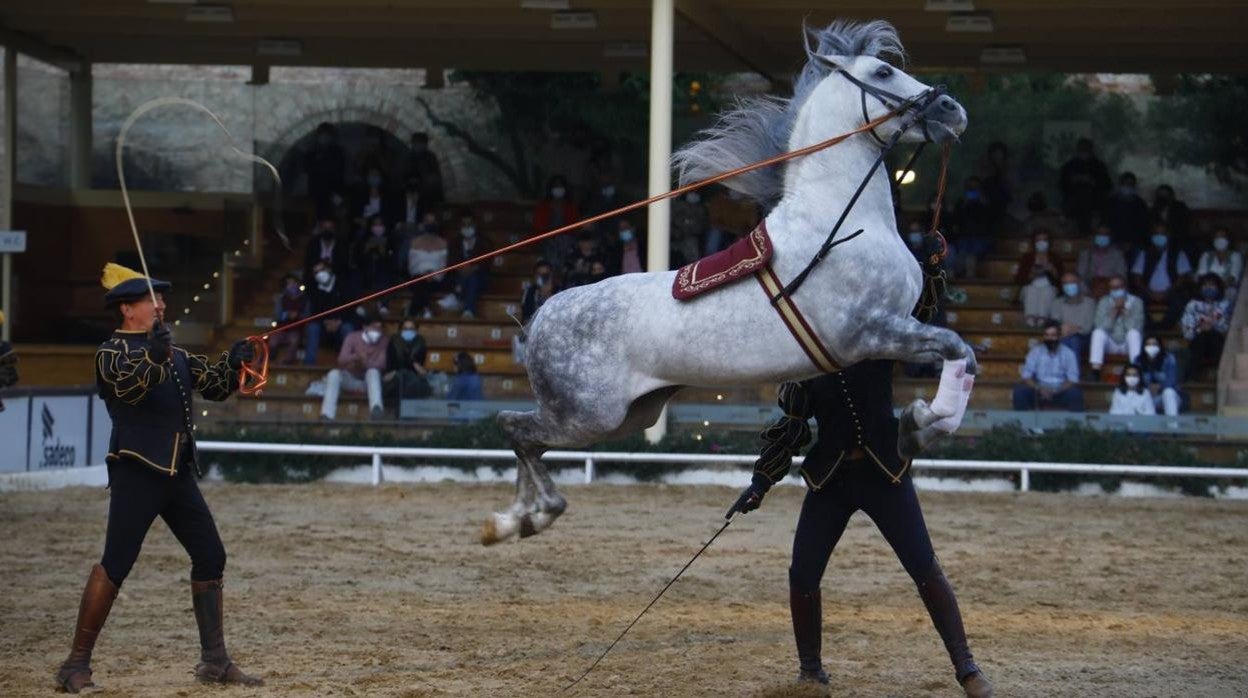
(146, 383)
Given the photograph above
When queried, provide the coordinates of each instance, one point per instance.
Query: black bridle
(912, 110)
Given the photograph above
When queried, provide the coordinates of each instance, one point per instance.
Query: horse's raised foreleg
(907, 339)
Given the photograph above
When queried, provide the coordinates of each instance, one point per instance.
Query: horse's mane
(759, 128)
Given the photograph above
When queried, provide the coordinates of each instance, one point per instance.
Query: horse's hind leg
(538, 503)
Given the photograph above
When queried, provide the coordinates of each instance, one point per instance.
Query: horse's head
(874, 89)
(847, 83)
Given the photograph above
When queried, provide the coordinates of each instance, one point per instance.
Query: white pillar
(8, 173)
(658, 216)
(80, 127)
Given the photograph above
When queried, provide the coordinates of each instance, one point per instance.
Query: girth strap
(801, 330)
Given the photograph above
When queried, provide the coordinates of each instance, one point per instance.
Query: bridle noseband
(919, 104)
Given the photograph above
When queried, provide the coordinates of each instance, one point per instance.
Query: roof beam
(720, 27)
(31, 46)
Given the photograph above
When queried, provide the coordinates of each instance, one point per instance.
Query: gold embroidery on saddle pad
(741, 259)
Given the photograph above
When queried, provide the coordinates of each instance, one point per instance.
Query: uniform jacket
(853, 410)
(151, 404)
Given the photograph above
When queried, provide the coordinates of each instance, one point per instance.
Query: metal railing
(589, 459)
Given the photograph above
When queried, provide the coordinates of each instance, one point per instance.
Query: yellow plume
(115, 274)
(1, 317)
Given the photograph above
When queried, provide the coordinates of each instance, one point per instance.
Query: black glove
(158, 350)
(241, 351)
(751, 497)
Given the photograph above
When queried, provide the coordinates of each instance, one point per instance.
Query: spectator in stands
(577, 268)
(537, 292)
(1050, 375)
(606, 197)
(1119, 322)
(1206, 320)
(1160, 373)
(1131, 397)
(325, 247)
(1038, 272)
(999, 184)
(555, 210)
(289, 307)
(8, 364)
(412, 208)
(375, 199)
(405, 362)
(1220, 259)
(360, 364)
(1084, 183)
(974, 226)
(1075, 312)
(1041, 217)
(689, 224)
(420, 253)
(1174, 213)
(374, 259)
(325, 293)
(466, 385)
(373, 157)
(1126, 215)
(326, 166)
(422, 166)
(627, 257)
(1101, 262)
(1161, 272)
(471, 280)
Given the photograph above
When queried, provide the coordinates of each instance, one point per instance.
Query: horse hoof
(489, 532)
(527, 528)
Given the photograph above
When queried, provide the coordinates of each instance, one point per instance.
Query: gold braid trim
(214, 381)
(788, 436)
(129, 372)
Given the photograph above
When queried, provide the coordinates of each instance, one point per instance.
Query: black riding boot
(215, 665)
(807, 610)
(942, 606)
(97, 600)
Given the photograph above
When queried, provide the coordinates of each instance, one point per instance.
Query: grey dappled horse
(604, 359)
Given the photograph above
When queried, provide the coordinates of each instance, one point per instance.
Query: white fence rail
(590, 458)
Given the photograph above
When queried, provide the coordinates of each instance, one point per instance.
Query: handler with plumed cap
(146, 383)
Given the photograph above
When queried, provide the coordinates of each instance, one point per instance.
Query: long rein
(253, 375)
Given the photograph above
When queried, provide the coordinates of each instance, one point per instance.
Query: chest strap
(796, 322)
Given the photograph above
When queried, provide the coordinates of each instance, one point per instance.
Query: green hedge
(1072, 444)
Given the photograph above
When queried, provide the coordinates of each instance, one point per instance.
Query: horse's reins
(253, 375)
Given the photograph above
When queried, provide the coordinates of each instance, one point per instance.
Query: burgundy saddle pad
(743, 258)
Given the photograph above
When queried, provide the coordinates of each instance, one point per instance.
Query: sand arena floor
(339, 590)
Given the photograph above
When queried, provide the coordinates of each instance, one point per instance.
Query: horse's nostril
(948, 104)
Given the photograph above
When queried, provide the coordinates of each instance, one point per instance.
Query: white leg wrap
(952, 396)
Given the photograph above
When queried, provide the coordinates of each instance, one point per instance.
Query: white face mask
(558, 192)
(371, 336)
(322, 277)
(608, 191)
(1152, 350)
(1042, 245)
(1220, 244)
(693, 197)
(468, 231)
(1131, 381)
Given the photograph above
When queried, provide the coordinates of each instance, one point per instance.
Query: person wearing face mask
(555, 210)
(1101, 262)
(689, 225)
(628, 252)
(1050, 375)
(1161, 273)
(471, 280)
(577, 268)
(1118, 325)
(1206, 320)
(289, 307)
(1131, 397)
(603, 197)
(323, 294)
(1126, 215)
(374, 258)
(1220, 259)
(1075, 312)
(405, 363)
(324, 246)
(1160, 374)
(376, 199)
(538, 292)
(1084, 182)
(423, 252)
(972, 228)
(1037, 275)
(360, 365)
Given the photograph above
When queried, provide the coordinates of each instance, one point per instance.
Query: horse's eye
(883, 72)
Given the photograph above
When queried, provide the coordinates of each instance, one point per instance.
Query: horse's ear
(833, 62)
